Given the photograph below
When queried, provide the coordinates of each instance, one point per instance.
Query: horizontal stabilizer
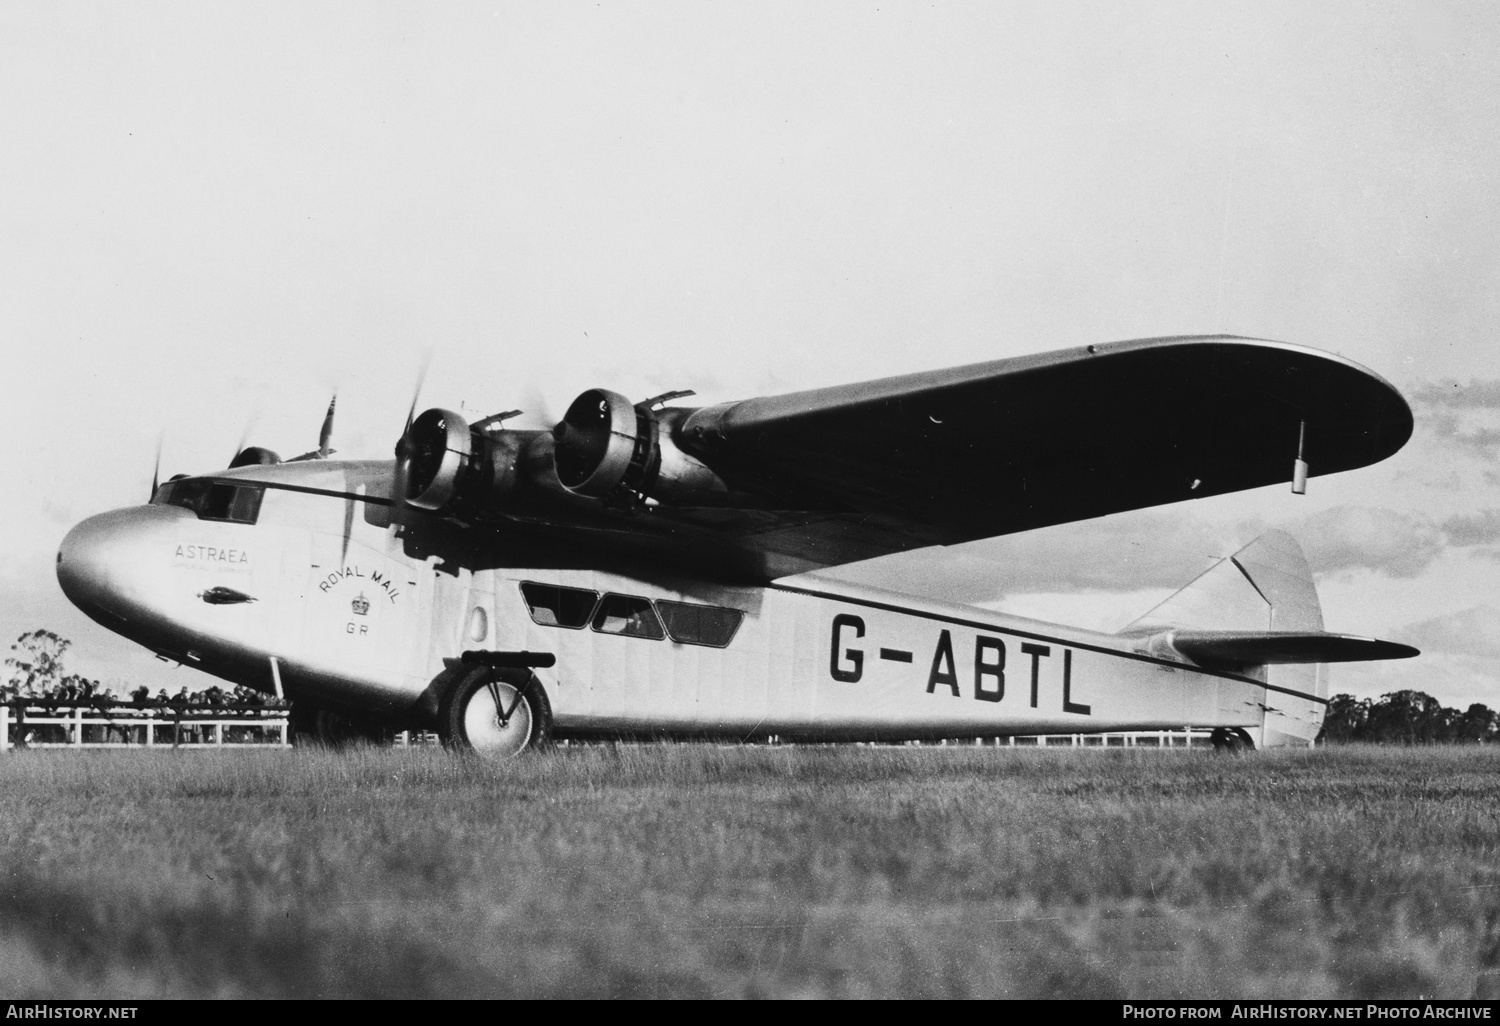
(1254, 648)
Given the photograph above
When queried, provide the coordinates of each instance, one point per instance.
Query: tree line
(35, 676)
(1407, 718)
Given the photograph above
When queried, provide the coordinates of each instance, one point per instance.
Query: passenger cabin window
(629, 616)
(214, 500)
(689, 623)
(553, 606)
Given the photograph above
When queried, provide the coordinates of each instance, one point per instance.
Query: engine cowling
(606, 447)
(447, 466)
(254, 456)
(601, 444)
(439, 450)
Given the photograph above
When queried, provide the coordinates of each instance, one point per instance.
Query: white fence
(24, 725)
(1186, 737)
(37, 726)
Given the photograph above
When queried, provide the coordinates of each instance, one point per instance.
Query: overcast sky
(213, 215)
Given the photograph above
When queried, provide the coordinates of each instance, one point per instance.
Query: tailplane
(1257, 613)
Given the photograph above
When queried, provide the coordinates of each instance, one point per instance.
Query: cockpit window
(213, 500)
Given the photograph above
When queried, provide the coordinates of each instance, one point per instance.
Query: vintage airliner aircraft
(645, 569)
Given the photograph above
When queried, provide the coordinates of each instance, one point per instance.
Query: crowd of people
(34, 677)
(73, 691)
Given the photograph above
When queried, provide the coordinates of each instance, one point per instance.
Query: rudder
(1264, 587)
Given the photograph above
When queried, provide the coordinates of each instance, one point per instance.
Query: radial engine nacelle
(254, 456)
(608, 447)
(604, 449)
(444, 463)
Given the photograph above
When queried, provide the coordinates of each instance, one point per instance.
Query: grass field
(762, 871)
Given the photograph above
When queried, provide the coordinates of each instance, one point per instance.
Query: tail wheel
(1231, 740)
(496, 713)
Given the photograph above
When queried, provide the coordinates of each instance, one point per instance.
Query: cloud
(1482, 442)
(1478, 394)
(1482, 528)
(1454, 680)
(1363, 538)
(1472, 632)
(1452, 414)
(1165, 548)
(1146, 549)
(1127, 552)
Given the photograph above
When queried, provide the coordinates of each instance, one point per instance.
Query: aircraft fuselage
(307, 579)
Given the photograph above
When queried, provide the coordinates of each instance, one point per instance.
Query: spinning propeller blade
(326, 435)
(403, 446)
(535, 405)
(234, 457)
(156, 468)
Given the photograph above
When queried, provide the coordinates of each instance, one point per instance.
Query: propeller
(156, 468)
(404, 444)
(156, 481)
(239, 447)
(325, 434)
(252, 455)
(536, 404)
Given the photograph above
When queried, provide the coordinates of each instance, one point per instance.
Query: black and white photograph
(667, 499)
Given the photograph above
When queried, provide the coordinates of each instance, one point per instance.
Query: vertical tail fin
(1264, 587)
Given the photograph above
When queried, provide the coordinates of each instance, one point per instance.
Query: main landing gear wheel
(496, 714)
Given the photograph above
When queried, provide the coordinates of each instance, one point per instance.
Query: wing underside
(1013, 445)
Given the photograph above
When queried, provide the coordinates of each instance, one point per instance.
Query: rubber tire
(468, 720)
(1231, 741)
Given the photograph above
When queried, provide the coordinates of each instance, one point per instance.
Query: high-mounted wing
(1012, 445)
(771, 486)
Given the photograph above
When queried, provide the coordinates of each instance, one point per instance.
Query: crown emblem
(360, 605)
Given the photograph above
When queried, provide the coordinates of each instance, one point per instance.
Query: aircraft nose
(83, 566)
(96, 560)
